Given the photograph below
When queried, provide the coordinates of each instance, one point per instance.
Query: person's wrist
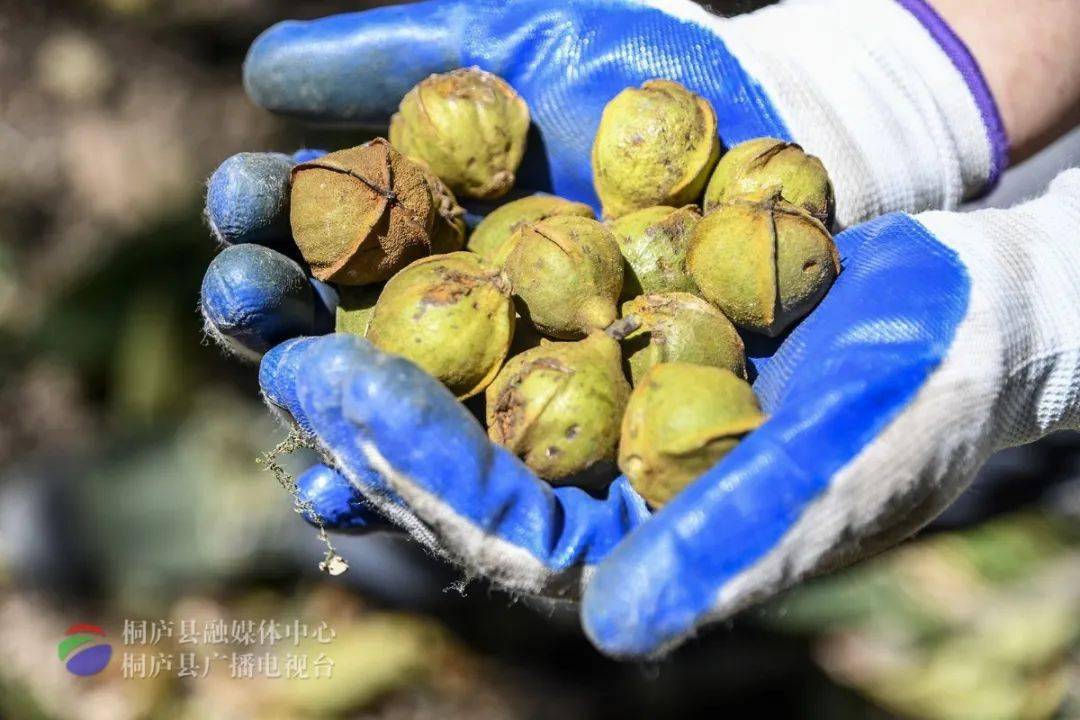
(968, 66)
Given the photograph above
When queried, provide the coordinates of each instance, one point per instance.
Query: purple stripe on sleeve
(962, 58)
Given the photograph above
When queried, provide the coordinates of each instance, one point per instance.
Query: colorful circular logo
(84, 651)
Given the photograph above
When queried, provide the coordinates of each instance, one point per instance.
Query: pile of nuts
(593, 342)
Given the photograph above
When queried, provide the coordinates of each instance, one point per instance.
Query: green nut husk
(764, 262)
(680, 327)
(566, 273)
(448, 231)
(656, 145)
(450, 314)
(356, 305)
(469, 126)
(653, 242)
(765, 164)
(360, 215)
(495, 229)
(558, 406)
(681, 419)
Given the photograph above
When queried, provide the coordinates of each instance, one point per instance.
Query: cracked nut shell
(559, 406)
(765, 164)
(494, 230)
(450, 314)
(566, 273)
(680, 327)
(764, 262)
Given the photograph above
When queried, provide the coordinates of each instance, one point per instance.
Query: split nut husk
(491, 234)
(566, 273)
(559, 406)
(680, 421)
(654, 242)
(764, 262)
(680, 327)
(468, 126)
(360, 215)
(656, 145)
(767, 164)
(450, 314)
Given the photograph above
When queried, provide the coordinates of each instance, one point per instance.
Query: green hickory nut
(681, 419)
(653, 242)
(468, 126)
(764, 262)
(356, 305)
(680, 327)
(765, 164)
(450, 314)
(566, 272)
(559, 406)
(656, 145)
(494, 230)
(360, 215)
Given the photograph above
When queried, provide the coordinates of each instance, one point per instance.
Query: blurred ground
(128, 487)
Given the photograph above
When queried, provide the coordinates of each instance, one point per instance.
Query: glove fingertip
(278, 371)
(253, 298)
(311, 69)
(331, 501)
(247, 200)
(618, 617)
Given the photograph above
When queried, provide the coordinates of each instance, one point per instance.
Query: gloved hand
(946, 338)
(877, 351)
(880, 90)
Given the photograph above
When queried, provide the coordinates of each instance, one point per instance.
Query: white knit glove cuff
(1021, 338)
(881, 90)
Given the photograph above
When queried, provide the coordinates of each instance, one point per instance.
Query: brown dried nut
(764, 262)
(680, 421)
(450, 314)
(680, 327)
(360, 215)
(469, 126)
